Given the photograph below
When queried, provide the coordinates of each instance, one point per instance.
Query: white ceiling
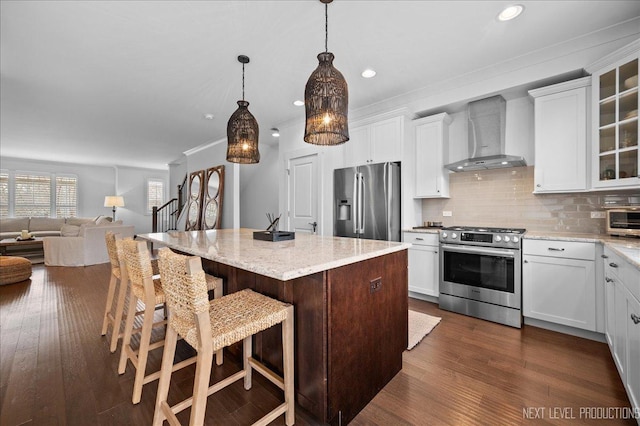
(128, 82)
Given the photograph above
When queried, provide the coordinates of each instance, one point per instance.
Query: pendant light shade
(326, 99)
(242, 130)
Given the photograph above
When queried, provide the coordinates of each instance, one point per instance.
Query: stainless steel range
(481, 273)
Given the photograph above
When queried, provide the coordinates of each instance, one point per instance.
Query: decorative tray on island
(274, 236)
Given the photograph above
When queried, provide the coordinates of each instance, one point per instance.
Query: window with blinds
(24, 194)
(4, 194)
(155, 194)
(66, 196)
(32, 195)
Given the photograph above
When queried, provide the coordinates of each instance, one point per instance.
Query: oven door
(491, 275)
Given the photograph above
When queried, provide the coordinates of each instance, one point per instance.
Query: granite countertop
(283, 260)
(627, 247)
(423, 230)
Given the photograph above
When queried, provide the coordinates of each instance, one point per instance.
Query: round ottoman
(14, 269)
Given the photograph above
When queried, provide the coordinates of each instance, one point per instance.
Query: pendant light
(326, 99)
(242, 130)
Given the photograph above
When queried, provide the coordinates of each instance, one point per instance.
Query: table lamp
(113, 201)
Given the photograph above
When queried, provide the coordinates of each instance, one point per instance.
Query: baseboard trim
(425, 297)
(565, 329)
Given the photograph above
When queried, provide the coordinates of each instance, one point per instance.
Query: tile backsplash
(504, 198)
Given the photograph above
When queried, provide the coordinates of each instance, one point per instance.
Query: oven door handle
(479, 250)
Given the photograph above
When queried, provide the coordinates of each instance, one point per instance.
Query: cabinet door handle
(613, 265)
(525, 261)
(555, 249)
(607, 279)
(604, 256)
(635, 318)
(538, 186)
(436, 252)
(419, 239)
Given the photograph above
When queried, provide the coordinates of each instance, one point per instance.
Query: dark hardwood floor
(55, 368)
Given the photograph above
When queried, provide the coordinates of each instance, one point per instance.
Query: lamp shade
(242, 136)
(113, 201)
(326, 100)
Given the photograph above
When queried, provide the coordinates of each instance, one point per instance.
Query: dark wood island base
(350, 330)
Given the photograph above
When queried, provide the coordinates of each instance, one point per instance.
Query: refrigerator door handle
(361, 204)
(387, 189)
(355, 203)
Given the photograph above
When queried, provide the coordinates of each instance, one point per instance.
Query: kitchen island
(350, 298)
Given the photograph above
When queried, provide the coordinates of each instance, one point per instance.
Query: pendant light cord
(326, 27)
(243, 81)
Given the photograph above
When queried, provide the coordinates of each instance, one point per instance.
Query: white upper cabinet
(561, 136)
(615, 120)
(432, 139)
(378, 142)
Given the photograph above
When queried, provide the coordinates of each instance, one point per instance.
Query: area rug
(419, 326)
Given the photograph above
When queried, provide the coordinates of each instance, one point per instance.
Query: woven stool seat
(14, 269)
(236, 316)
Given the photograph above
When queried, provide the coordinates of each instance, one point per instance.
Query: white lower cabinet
(424, 263)
(558, 282)
(622, 313)
(633, 349)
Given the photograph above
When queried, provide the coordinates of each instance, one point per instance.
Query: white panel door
(303, 194)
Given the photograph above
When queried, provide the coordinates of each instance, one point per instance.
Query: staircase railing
(165, 217)
(182, 188)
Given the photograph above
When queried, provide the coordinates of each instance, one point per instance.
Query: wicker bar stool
(147, 288)
(211, 325)
(118, 281)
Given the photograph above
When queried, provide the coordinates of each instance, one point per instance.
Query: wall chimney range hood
(486, 128)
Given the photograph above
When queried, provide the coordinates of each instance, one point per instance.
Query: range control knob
(498, 238)
(507, 238)
(515, 239)
(454, 235)
(445, 235)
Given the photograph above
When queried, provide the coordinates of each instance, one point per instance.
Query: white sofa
(11, 227)
(88, 248)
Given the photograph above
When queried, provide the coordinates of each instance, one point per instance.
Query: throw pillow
(103, 220)
(69, 231)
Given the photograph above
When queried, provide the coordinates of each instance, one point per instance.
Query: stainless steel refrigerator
(367, 202)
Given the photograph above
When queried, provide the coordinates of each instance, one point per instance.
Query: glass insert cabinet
(616, 155)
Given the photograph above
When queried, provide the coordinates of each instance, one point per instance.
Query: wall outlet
(598, 215)
(447, 213)
(375, 285)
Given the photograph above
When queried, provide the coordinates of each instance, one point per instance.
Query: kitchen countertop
(282, 260)
(627, 247)
(423, 230)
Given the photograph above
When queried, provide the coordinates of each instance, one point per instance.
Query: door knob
(314, 225)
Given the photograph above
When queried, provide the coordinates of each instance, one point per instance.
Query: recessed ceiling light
(368, 73)
(208, 116)
(510, 12)
(298, 103)
(275, 132)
